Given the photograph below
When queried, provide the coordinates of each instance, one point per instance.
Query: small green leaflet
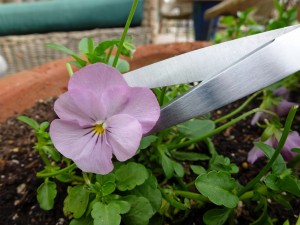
(46, 194)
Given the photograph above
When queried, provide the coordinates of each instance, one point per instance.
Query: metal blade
(200, 64)
(268, 64)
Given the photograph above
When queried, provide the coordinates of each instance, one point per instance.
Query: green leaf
(147, 141)
(218, 187)
(130, 175)
(65, 177)
(124, 206)
(290, 184)
(122, 65)
(50, 150)
(196, 128)
(216, 216)
(279, 165)
(108, 188)
(178, 168)
(284, 200)
(198, 169)
(221, 163)
(264, 218)
(150, 191)
(190, 156)
(103, 46)
(297, 150)
(46, 194)
(167, 165)
(77, 201)
(140, 213)
(128, 49)
(82, 221)
(29, 121)
(272, 182)
(102, 179)
(86, 45)
(68, 51)
(104, 214)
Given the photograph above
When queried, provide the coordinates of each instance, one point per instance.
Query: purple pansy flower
(293, 141)
(101, 116)
(281, 109)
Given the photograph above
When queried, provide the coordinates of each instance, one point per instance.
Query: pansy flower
(281, 107)
(292, 141)
(101, 116)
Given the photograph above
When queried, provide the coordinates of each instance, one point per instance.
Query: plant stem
(234, 112)
(191, 195)
(69, 69)
(71, 167)
(210, 146)
(109, 54)
(280, 145)
(127, 25)
(172, 201)
(218, 129)
(44, 157)
(162, 96)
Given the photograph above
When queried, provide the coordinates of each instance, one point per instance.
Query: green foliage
(147, 141)
(216, 216)
(196, 128)
(218, 187)
(46, 194)
(100, 52)
(106, 214)
(141, 211)
(130, 175)
(77, 201)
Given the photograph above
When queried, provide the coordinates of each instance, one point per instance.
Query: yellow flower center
(99, 128)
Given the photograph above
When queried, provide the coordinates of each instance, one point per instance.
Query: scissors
(227, 71)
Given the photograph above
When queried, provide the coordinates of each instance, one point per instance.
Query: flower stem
(69, 69)
(172, 201)
(162, 96)
(44, 157)
(191, 195)
(109, 54)
(127, 25)
(234, 112)
(280, 145)
(43, 175)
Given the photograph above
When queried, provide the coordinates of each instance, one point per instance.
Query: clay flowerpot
(20, 91)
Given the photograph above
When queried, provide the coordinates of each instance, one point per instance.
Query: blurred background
(27, 25)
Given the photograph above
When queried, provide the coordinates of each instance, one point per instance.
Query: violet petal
(124, 134)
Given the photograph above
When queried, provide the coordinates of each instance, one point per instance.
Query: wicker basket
(26, 51)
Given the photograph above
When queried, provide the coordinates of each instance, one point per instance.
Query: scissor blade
(202, 64)
(263, 67)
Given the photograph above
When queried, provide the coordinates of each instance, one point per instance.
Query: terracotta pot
(20, 91)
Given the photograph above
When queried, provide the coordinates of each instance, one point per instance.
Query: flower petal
(82, 146)
(137, 102)
(69, 138)
(82, 106)
(124, 134)
(284, 107)
(293, 141)
(96, 77)
(98, 158)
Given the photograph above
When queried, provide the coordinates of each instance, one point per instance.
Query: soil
(19, 164)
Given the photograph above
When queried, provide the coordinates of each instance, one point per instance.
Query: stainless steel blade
(200, 64)
(263, 67)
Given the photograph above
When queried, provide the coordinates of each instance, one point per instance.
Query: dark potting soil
(19, 163)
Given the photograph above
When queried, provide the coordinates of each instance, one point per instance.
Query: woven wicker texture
(26, 51)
